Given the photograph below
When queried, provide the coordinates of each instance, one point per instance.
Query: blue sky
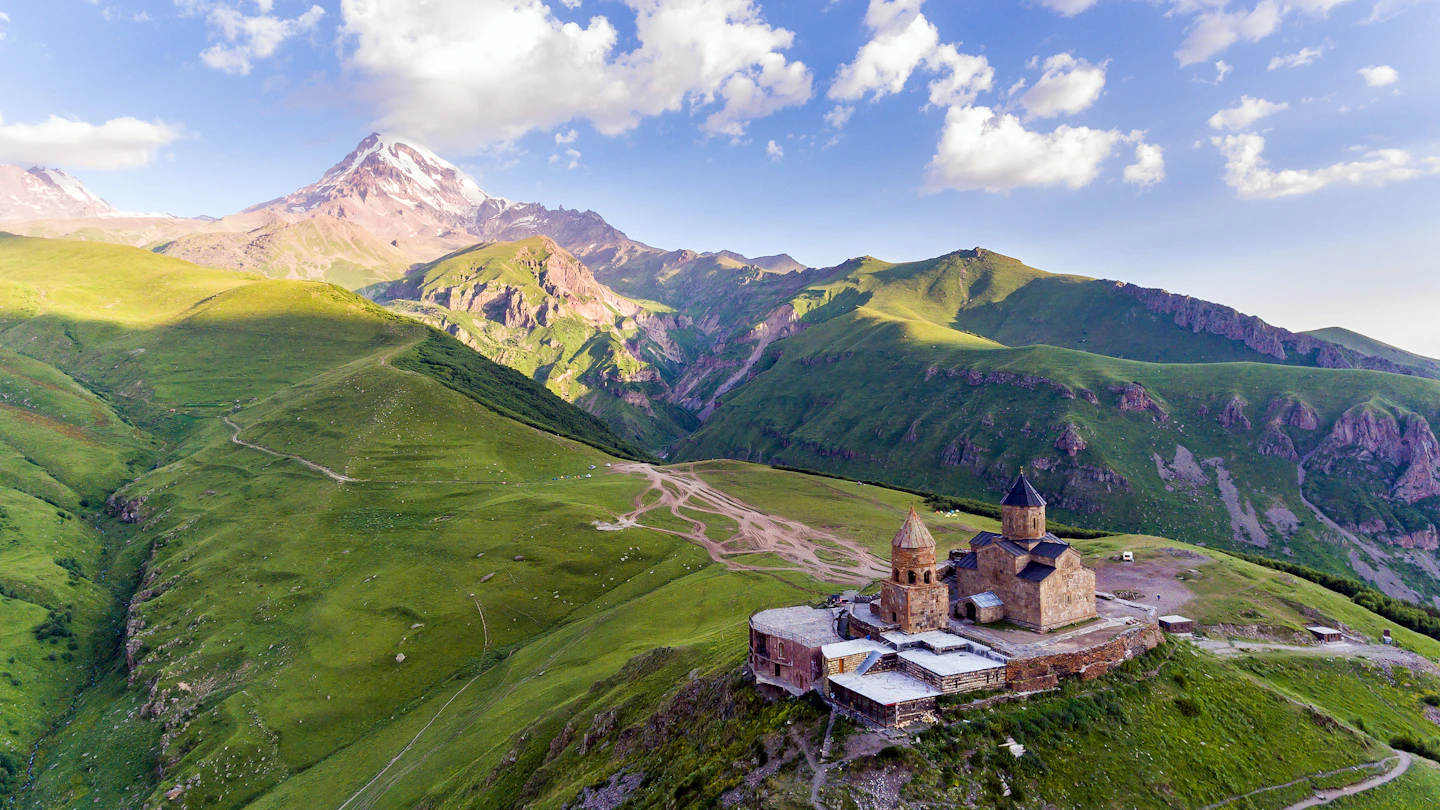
(1313, 203)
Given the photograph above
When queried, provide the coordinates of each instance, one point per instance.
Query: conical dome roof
(913, 533)
(1022, 494)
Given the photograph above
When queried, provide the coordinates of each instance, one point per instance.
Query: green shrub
(1188, 706)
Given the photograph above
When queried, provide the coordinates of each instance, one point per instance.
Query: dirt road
(1327, 796)
(820, 554)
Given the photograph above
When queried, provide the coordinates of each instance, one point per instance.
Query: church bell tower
(914, 597)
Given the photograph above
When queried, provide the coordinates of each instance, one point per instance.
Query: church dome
(913, 533)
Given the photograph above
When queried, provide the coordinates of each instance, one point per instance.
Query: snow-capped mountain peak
(402, 170)
(43, 193)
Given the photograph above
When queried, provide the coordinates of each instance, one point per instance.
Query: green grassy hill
(335, 571)
(950, 374)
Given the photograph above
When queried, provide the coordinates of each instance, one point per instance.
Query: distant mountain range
(1132, 407)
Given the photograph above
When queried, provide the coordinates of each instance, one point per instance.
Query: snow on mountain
(42, 193)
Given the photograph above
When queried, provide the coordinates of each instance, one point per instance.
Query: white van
(1127, 556)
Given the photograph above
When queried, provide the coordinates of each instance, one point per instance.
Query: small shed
(1176, 624)
(1325, 635)
(981, 608)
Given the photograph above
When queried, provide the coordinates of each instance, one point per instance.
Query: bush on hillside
(1430, 749)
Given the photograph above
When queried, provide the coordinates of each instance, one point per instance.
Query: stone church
(1024, 575)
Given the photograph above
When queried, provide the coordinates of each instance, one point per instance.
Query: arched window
(927, 577)
(897, 576)
(912, 577)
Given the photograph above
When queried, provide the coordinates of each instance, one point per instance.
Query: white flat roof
(855, 647)
(1174, 618)
(812, 627)
(886, 688)
(1323, 630)
(954, 663)
(931, 638)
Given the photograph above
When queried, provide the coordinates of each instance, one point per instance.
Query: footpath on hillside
(799, 547)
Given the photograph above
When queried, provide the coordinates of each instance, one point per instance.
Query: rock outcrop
(1372, 433)
(1135, 399)
(1292, 412)
(1232, 416)
(1070, 442)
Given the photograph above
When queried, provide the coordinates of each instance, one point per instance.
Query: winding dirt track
(843, 561)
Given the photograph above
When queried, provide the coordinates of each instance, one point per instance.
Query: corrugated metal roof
(1035, 572)
(968, 561)
(1022, 494)
(1012, 548)
(913, 533)
(987, 599)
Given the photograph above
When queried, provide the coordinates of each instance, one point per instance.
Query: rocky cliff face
(1216, 319)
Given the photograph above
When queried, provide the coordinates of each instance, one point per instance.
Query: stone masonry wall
(1044, 672)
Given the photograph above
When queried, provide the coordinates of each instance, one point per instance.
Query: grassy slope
(280, 598)
(819, 407)
(582, 362)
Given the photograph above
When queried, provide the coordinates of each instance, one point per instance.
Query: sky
(1278, 156)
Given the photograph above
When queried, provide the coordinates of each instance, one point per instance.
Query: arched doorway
(970, 611)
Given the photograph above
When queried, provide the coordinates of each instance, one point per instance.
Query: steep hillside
(1207, 452)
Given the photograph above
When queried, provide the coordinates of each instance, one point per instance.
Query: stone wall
(916, 608)
(1045, 671)
(850, 663)
(783, 659)
(1068, 595)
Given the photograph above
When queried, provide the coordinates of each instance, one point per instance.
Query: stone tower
(1022, 519)
(914, 597)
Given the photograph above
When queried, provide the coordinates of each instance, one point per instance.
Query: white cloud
(1252, 178)
(774, 150)
(570, 159)
(1300, 58)
(1222, 69)
(902, 41)
(1217, 28)
(982, 149)
(839, 115)
(1379, 75)
(1068, 8)
(4, 18)
(1149, 166)
(1067, 86)
(566, 136)
(472, 72)
(120, 143)
(1248, 112)
(244, 38)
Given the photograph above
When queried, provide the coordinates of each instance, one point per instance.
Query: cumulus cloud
(4, 19)
(1148, 168)
(1222, 69)
(566, 136)
(982, 149)
(1300, 58)
(1067, 86)
(245, 38)
(1379, 75)
(1245, 114)
(467, 73)
(1217, 28)
(774, 150)
(839, 115)
(1250, 175)
(120, 143)
(1068, 8)
(902, 41)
